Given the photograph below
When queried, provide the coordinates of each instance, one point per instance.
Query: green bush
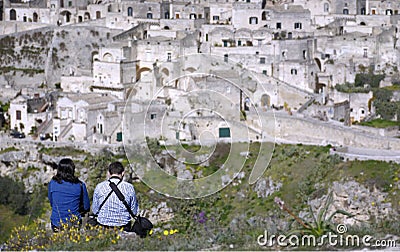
(368, 78)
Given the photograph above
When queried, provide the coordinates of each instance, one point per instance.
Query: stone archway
(66, 16)
(265, 101)
(141, 70)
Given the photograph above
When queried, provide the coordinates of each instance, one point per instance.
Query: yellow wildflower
(165, 232)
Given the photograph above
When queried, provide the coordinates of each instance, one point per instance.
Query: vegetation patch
(380, 123)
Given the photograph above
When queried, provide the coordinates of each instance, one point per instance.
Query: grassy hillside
(235, 216)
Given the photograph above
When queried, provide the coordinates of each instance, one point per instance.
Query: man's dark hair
(116, 168)
(65, 171)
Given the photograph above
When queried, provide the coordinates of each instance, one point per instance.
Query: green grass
(9, 149)
(64, 151)
(9, 220)
(380, 123)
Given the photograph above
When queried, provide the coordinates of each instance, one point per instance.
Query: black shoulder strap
(104, 201)
(121, 197)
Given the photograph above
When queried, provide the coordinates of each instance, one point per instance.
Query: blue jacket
(64, 200)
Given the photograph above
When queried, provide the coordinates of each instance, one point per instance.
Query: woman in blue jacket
(67, 194)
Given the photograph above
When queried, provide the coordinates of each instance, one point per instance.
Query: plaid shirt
(114, 213)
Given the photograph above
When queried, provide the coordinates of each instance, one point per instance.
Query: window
(69, 3)
(119, 136)
(215, 18)
(35, 17)
(130, 11)
(297, 26)
(293, 71)
(346, 11)
(264, 72)
(18, 114)
(153, 116)
(239, 42)
(193, 16)
(166, 15)
(304, 54)
(262, 60)
(279, 25)
(226, 58)
(365, 53)
(224, 132)
(326, 7)
(101, 128)
(253, 20)
(150, 15)
(169, 57)
(207, 37)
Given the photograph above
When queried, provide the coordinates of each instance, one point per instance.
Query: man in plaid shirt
(113, 213)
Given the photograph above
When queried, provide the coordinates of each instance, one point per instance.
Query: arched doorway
(13, 15)
(265, 100)
(264, 15)
(87, 16)
(35, 17)
(67, 16)
(130, 12)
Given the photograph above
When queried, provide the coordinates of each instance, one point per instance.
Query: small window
(153, 116)
(279, 25)
(262, 60)
(215, 18)
(239, 42)
(264, 72)
(149, 15)
(298, 26)
(169, 57)
(224, 132)
(18, 114)
(253, 20)
(345, 11)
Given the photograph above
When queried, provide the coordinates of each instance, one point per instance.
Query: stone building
(27, 113)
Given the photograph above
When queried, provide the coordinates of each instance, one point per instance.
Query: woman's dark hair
(65, 171)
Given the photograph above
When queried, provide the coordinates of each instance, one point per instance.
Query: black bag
(142, 226)
(92, 220)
